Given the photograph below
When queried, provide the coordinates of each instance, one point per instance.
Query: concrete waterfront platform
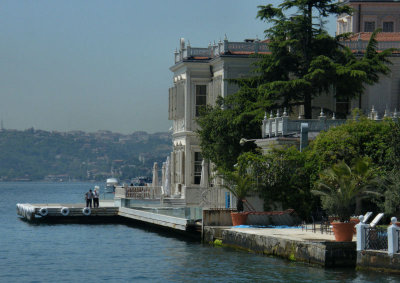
(293, 243)
(154, 218)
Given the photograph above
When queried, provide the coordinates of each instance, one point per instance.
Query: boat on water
(141, 181)
(111, 183)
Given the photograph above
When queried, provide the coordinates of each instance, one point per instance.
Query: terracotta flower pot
(343, 231)
(355, 220)
(239, 218)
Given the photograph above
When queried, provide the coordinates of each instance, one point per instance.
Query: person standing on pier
(95, 198)
(88, 198)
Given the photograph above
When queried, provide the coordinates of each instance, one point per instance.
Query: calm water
(120, 253)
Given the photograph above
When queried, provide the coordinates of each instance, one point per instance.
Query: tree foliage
(282, 179)
(305, 61)
(34, 154)
(239, 183)
(222, 127)
(362, 138)
(286, 176)
(340, 185)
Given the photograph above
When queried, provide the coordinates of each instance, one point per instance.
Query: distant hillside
(41, 155)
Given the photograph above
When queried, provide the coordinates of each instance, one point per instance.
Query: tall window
(342, 107)
(198, 160)
(201, 98)
(387, 27)
(369, 26)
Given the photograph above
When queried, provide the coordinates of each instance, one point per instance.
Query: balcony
(221, 48)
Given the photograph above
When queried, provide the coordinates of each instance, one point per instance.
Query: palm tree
(341, 186)
(239, 184)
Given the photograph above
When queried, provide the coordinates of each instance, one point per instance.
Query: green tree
(395, 145)
(341, 185)
(283, 179)
(222, 127)
(239, 183)
(391, 193)
(362, 138)
(305, 61)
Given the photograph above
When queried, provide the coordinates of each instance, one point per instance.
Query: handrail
(139, 192)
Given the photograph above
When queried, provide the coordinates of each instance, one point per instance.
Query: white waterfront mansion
(199, 77)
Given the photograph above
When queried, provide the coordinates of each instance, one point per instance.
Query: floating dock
(64, 212)
(78, 213)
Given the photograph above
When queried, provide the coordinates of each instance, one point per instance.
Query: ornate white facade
(199, 77)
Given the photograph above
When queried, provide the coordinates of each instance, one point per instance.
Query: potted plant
(339, 187)
(240, 185)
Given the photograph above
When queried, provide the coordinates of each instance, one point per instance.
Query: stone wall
(378, 261)
(325, 254)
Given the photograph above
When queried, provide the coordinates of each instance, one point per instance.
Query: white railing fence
(277, 125)
(220, 48)
(372, 238)
(138, 192)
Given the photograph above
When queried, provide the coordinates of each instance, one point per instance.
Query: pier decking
(155, 218)
(57, 211)
(76, 213)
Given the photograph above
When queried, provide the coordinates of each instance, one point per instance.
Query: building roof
(380, 37)
(372, 1)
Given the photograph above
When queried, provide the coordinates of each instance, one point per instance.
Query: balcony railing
(360, 45)
(138, 192)
(227, 47)
(283, 125)
(376, 239)
(220, 48)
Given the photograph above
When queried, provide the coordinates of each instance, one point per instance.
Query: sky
(104, 65)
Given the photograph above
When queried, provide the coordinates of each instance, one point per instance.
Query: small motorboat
(111, 183)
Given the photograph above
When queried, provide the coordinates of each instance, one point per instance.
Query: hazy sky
(104, 65)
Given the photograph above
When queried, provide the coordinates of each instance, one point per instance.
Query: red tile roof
(245, 52)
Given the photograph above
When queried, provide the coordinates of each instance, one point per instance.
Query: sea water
(122, 253)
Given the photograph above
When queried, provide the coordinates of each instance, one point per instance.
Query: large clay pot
(343, 231)
(239, 218)
(355, 220)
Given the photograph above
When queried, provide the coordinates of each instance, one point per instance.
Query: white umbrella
(204, 174)
(163, 168)
(155, 175)
(167, 187)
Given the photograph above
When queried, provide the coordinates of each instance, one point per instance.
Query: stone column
(264, 124)
(188, 103)
(303, 136)
(361, 234)
(393, 237)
